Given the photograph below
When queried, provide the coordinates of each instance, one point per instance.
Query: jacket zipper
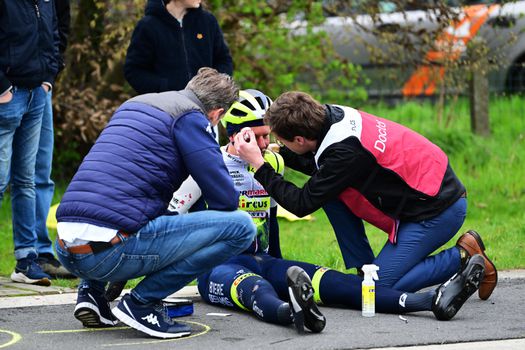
(37, 10)
(38, 19)
(184, 49)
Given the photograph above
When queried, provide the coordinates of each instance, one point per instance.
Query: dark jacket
(149, 147)
(164, 56)
(410, 180)
(28, 43)
(63, 11)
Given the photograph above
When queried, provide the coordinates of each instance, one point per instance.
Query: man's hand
(46, 88)
(246, 146)
(7, 97)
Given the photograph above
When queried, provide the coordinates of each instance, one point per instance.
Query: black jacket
(164, 56)
(28, 43)
(63, 11)
(348, 164)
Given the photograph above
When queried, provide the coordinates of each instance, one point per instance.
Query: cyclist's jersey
(253, 198)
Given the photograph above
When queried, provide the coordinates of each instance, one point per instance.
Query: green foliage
(92, 85)
(276, 48)
(267, 56)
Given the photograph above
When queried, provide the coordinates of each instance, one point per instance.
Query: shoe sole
(90, 316)
(299, 304)
(21, 278)
(124, 318)
(478, 239)
(472, 284)
(298, 315)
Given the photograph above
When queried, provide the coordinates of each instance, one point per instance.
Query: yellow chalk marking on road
(82, 330)
(206, 330)
(15, 337)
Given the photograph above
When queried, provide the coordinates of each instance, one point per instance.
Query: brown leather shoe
(472, 243)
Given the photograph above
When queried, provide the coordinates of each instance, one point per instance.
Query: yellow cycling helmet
(249, 110)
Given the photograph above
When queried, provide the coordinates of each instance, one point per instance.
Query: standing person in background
(44, 160)
(28, 66)
(170, 43)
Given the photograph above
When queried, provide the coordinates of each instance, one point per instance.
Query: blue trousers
(170, 251)
(44, 185)
(406, 265)
(20, 123)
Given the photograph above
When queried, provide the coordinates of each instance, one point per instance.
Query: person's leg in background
(407, 265)
(44, 188)
(20, 127)
(350, 233)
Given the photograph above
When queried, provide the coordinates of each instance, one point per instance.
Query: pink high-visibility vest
(419, 162)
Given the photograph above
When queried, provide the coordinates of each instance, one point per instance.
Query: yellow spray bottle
(368, 288)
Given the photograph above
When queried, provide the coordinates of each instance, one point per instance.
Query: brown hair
(215, 90)
(296, 113)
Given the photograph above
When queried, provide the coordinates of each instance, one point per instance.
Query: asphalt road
(54, 327)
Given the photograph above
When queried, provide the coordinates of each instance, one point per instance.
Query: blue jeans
(44, 185)
(20, 122)
(170, 251)
(405, 265)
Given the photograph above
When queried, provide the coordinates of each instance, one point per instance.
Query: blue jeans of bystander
(170, 251)
(20, 122)
(44, 185)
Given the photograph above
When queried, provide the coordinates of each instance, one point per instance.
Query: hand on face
(246, 147)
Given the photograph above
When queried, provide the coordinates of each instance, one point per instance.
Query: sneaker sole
(124, 318)
(90, 316)
(21, 278)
